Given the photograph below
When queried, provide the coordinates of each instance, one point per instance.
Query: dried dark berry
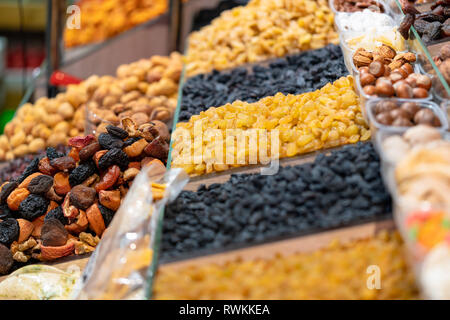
(82, 197)
(430, 17)
(63, 163)
(6, 190)
(108, 141)
(112, 157)
(53, 154)
(6, 259)
(31, 168)
(130, 141)
(406, 24)
(82, 172)
(5, 212)
(9, 231)
(117, 132)
(107, 214)
(88, 152)
(40, 184)
(53, 233)
(33, 207)
(57, 213)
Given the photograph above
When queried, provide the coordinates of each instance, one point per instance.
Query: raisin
(57, 213)
(107, 214)
(6, 259)
(33, 207)
(30, 169)
(40, 184)
(81, 173)
(6, 190)
(130, 141)
(82, 197)
(53, 233)
(46, 168)
(158, 148)
(5, 212)
(88, 152)
(63, 164)
(117, 132)
(53, 154)
(407, 22)
(9, 231)
(108, 178)
(420, 26)
(108, 141)
(112, 157)
(81, 142)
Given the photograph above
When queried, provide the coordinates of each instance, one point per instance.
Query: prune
(5, 212)
(117, 132)
(6, 259)
(406, 24)
(53, 154)
(82, 172)
(57, 213)
(63, 163)
(88, 152)
(107, 214)
(31, 168)
(432, 31)
(112, 157)
(108, 141)
(82, 197)
(33, 207)
(420, 26)
(430, 17)
(9, 231)
(6, 190)
(53, 233)
(40, 184)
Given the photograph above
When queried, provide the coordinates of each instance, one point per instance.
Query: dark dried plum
(406, 24)
(9, 231)
(53, 154)
(82, 172)
(117, 132)
(420, 26)
(88, 152)
(57, 213)
(53, 233)
(112, 157)
(30, 169)
(107, 214)
(40, 184)
(33, 207)
(82, 197)
(63, 163)
(430, 17)
(432, 31)
(6, 190)
(6, 259)
(108, 141)
(5, 212)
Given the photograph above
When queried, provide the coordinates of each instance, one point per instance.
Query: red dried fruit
(108, 178)
(63, 163)
(61, 183)
(95, 218)
(45, 167)
(406, 24)
(89, 151)
(81, 142)
(110, 199)
(74, 154)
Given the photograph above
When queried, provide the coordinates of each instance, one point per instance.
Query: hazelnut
(423, 81)
(411, 108)
(363, 70)
(399, 113)
(425, 116)
(403, 72)
(385, 106)
(387, 71)
(384, 118)
(407, 68)
(366, 79)
(369, 90)
(376, 68)
(395, 76)
(402, 122)
(412, 79)
(384, 88)
(420, 93)
(403, 90)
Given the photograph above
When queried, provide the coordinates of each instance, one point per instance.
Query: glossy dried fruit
(53, 233)
(5, 212)
(158, 148)
(40, 184)
(110, 199)
(108, 178)
(406, 24)
(33, 207)
(57, 213)
(159, 129)
(421, 26)
(88, 152)
(30, 169)
(98, 155)
(9, 231)
(108, 141)
(6, 259)
(63, 163)
(46, 168)
(117, 132)
(61, 183)
(81, 142)
(52, 153)
(114, 157)
(95, 218)
(25, 230)
(107, 214)
(6, 191)
(16, 197)
(136, 148)
(82, 197)
(80, 225)
(28, 179)
(82, 172)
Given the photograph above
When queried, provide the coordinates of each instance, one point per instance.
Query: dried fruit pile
(61, 204)
(334, 191)
(294, 74)
(338, 271)
(101, 20)
(359, 5)
(260, 30)
(311, 121)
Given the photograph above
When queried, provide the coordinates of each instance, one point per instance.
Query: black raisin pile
(295, 74)
(338, 190)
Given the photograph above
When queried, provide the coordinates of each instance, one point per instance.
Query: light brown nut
(130, 174)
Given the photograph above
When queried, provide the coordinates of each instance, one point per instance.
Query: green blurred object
(5, 117)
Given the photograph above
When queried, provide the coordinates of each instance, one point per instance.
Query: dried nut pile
(442, 61)
(260, 30)
(311, 121)
(61, 204)
(404, 114)
(387, 73)
(431, 25)
(47, 123)
(294, 74)
(338, 271)
(359, 5)
(145, 90)
(101, 20)
(334, 191)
